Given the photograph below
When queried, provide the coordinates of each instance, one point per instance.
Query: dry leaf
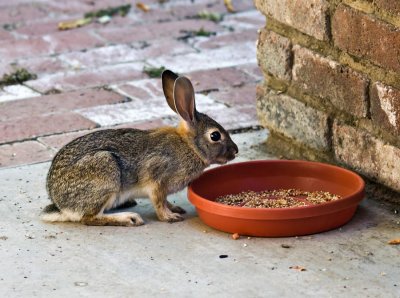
(73, 24)
(229, 6)
(298, 268)
(142, 6)
(394, 241)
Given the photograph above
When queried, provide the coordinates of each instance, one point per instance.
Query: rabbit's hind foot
(127, 219)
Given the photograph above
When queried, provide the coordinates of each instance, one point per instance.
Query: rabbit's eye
(215, 136)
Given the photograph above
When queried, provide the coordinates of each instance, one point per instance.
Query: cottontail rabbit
(108, 168)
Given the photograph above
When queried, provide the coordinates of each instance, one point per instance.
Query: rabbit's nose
(234, 148)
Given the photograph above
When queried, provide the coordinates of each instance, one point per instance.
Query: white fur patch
(64, 215)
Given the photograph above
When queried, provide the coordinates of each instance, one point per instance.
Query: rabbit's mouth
(224, 159)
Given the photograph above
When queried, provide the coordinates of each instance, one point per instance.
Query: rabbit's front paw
(174, 217)
(169, 216)
(176, 209)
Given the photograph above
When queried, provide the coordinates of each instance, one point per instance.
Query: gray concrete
(182, 259)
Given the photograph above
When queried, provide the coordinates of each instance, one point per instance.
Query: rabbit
(109, 168)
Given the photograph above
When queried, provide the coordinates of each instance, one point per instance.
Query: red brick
(28, 152)
(143, 90)
(5, 35)
(366, 37)
(5, 68)
(40, 65)
(59, 140)
(220, 40)
(33, 126)
(22, 12)
(385, 107)
(243, 95)
(88, 78)
(217, 79)
(254, 70)
(154, 31)
(308, 16)
(293, 119)
(235, 117)
(22, 48)
(72, 40)
(57, 103)
(274, 54)
(127, 53)
(38, 28)
(327, 79)
(367, 154)
(390, 6)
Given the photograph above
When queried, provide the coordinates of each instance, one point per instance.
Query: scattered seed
(235, 236)
(282, 198)
(298, 268)
(286, 246)
(223, 256)
(394, 241)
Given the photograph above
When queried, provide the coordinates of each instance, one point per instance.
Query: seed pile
(281, 198)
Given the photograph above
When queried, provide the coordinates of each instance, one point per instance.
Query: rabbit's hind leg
(127, 219)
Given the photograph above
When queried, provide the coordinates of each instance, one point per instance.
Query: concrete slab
(183, 259)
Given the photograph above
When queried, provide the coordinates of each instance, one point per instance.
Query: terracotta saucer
(276, 174)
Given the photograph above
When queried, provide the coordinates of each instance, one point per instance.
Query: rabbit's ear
(184, 99)
(168, 80)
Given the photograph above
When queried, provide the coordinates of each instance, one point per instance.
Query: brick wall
(332, 83)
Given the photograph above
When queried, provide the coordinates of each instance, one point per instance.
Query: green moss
(122, 10)
(17, 77)
(210, 16)
(153, 72)
(203, 32)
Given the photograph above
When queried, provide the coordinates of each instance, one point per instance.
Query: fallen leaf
(74, 24)
(394, 241)
(142, 6)
(229, 6)
(298, 268)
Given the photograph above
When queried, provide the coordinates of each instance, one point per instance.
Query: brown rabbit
(109, 168)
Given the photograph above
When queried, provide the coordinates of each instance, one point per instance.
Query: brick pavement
(92, 77)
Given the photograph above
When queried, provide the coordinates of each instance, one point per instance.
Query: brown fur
(107, 168)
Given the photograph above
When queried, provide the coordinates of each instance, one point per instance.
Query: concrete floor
(183, 259)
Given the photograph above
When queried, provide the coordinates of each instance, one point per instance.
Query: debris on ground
(229, 6)
(17, 77)
(203, 32)
(394, 241)
(143, 7)
(235, 236)
(210, 16)
(74, 24)
(154, 72)
(102, 16)
(104, 19)
(193, 33)
(286, 246)
(3, 237)
(223, 256)
(122, 10)
(298, 268)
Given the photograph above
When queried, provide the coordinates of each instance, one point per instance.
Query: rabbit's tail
(51, 213)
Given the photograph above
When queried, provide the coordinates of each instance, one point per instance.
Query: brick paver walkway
(92, 77)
